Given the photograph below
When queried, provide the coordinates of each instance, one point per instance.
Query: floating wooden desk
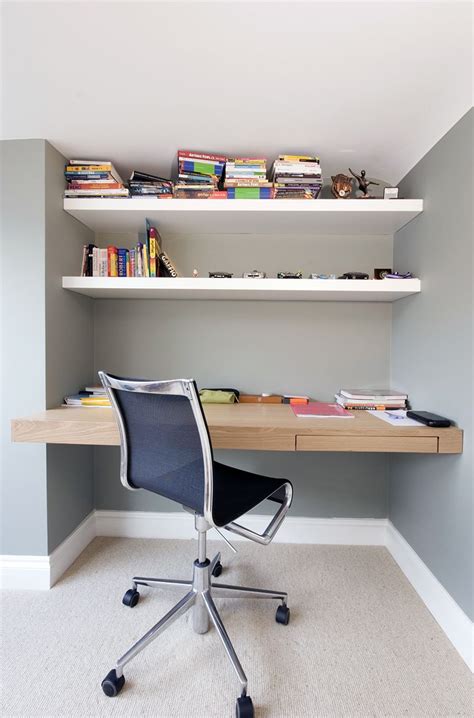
(251, 426)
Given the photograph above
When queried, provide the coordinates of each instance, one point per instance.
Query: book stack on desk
(297, 177)
(199, 175)
(91, 396)
(371, 399)
(93, 178)
(246, 178)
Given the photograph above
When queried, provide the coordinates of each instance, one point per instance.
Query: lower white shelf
(314, 290)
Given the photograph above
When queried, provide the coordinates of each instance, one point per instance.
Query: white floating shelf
(322, 290)
(175, 216)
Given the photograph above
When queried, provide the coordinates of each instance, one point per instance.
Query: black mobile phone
(429, 419)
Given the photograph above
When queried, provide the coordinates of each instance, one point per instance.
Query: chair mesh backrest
(164, 447)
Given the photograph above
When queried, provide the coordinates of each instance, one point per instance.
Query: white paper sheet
(397, 417)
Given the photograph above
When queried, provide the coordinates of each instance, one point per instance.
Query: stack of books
(246, 178)
(199, 176)
(371, 399)
(297, 177)
(146, 259)
(91, 396)
(93, 178)
(145, 185)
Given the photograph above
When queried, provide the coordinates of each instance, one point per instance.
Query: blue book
(122, 262)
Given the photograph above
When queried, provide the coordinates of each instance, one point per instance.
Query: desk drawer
(394, 444)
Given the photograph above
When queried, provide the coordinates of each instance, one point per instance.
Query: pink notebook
(321, 410)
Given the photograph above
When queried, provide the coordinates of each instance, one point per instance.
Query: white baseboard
(25, 572)
(67, 551)
(455, 623)
(295, 529)
(41, 572)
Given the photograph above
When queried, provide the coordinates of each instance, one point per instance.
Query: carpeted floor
(360, 642)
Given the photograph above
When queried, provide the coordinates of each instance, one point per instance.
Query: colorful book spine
(122, 262)
(86, 175)
(95, 262)
(85, 249)
(89, 168)
(112, 257)
(146, 263)
(201, 156)
(103, 263)
(204, 168)
(152, 249)
(139, 260)
(250, 193)
(133, 266)
(168, 266)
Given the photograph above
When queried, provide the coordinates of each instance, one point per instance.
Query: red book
(218, 195)
(201, 156)
(112, 261)
(321, 410)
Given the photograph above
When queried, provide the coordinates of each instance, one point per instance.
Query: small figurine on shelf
(341, 186)
(195, 273)
(363, 183)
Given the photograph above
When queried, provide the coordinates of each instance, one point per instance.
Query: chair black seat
(237, 491)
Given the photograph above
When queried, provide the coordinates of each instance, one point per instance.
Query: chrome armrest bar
(272, 527)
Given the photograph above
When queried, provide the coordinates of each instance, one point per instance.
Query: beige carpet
(360, 642)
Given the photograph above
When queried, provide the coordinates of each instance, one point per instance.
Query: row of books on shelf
(146, 259)
(202, 176)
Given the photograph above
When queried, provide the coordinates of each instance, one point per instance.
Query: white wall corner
(66, 553)
(455, 623)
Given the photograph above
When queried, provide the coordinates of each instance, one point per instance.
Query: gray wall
(23, 350)
(69, 355)
(431, 498)
(46, 349)
(307, 347)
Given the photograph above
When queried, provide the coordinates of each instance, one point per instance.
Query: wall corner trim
(457, 626)
(295, 529)
(39, 573)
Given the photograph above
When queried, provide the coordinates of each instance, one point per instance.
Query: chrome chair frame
(202, 588)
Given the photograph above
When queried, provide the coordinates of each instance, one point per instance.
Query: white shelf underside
(298, 217)
(322, 290)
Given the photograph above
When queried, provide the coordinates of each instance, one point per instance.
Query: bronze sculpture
(363, 182)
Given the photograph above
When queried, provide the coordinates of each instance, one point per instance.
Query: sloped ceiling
(365, 84)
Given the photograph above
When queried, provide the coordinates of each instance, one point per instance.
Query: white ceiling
(366, 84)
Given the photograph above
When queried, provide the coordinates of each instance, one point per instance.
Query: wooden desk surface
(271, 427)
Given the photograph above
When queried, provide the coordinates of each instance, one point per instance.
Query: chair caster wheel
(282, 615)
(131, 597)
(244, 707)
(112, 685)
(217, 570)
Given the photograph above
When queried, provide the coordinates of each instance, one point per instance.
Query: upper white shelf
(198, 216)
(322, 290)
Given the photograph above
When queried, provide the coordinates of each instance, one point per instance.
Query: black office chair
(165, 448)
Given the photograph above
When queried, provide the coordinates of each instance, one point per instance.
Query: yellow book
(95, 401)
(297, 158)
(146, 263)
(89, 168)
(152, 255)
